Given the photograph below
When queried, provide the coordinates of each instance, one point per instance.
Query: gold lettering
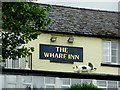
(77, 57)
(66, 50)
(56, 55)
(64, 55)
(57, 49)
(60, 55)
(52, 55)
(69, 56)
(72, 56)
(61, 49)
(46, 54)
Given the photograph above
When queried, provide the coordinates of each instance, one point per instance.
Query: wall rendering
(92, 52)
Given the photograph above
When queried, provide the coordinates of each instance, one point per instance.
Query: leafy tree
(21, 23)
(1, 58)
(83, 86)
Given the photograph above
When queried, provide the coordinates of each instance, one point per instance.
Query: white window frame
(11, 63)
(18, 83)
(21, 83)
(65, 86)
(111, 81)
(58, 84)
(6, 83)
(118, 85)
(106, 87)
(49, 84)
(110, 52)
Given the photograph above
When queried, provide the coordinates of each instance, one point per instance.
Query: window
(119, 84)
(50, 82)
(75, 81)
(110, 52)
(36, 82)
(12, 63)
(101, 83)
(65, 82)
(11, 81)
(108, 85)
(112, 84)
(26, 82)
(87, 81)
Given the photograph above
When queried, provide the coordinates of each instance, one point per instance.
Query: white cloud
(109, 5)
(78, 0)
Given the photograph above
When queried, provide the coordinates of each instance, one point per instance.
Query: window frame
(109, 61)
(12, 64)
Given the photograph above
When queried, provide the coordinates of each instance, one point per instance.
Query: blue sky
(108, 5)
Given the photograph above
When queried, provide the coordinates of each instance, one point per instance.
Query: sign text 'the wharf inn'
(64, 54)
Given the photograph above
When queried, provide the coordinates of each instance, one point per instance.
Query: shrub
(83, 86)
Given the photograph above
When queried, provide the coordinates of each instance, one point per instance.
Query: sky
(107, 5)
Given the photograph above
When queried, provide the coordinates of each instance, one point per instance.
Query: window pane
(114, 45)
(2, 83)
(10, 78)
(9, 63)
(38, 82)
(118, 60)
(114, 52)
(119, 84)
(27, 79)
(15, 63)
(66, 81)
(101, 83)
(75, 81)
(106, 59)
(50, 86)
(49, 80)
(11, 86)
(106, 44)
(112, 84)
(114, 59)
(87, 81)
(106, 52)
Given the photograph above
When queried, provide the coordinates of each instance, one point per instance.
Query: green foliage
(83, 86)
(21, 23)
(1, 58)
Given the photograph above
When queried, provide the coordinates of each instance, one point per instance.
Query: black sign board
(64, 54)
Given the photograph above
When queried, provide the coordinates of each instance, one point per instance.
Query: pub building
(78, 46)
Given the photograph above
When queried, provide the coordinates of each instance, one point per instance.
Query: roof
(80, 21)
